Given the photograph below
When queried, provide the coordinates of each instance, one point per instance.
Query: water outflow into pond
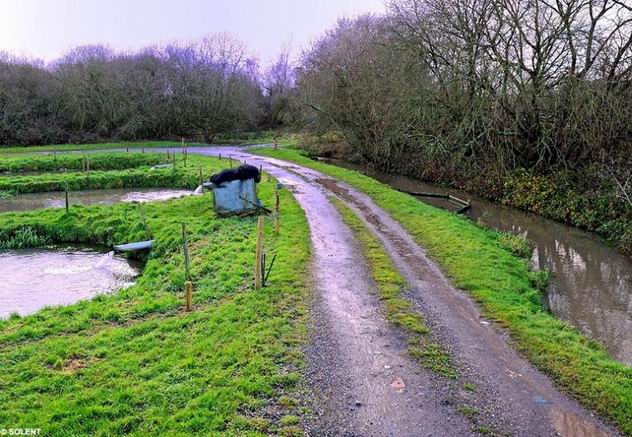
(591, 286)
(28, 202)
(36, 278)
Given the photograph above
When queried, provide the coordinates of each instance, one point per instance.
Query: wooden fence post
(188, 285)
(258, 254)
(67, 204)
(277, 211)
(188, 294)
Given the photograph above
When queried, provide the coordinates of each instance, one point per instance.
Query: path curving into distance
(356, 360)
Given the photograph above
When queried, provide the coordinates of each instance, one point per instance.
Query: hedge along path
(134, 361)
(499, 281)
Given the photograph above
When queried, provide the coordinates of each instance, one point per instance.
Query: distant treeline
(93, 93)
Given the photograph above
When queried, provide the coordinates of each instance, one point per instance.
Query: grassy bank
(135, 362)
(479, 261)
(568, 197)
(94, 180)
(67, 162)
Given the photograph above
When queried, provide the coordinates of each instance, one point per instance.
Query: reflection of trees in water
(592, 284)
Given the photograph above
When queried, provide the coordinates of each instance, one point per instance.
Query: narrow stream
(28, 202)
(36, 278)
(591, 286)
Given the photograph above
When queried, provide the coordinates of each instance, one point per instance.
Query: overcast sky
(46, 29)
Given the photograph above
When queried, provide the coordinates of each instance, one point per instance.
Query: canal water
(37, 278)
(591, 287)
(28, 202)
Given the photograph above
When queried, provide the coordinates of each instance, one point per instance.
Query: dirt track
(357, 361)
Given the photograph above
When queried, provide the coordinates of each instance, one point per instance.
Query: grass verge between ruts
(478, 261)
(133, 362)
(390, 285)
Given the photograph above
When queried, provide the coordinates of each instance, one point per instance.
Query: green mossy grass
(96, 180)
(479, 262)
(135, 362)
(74, 161)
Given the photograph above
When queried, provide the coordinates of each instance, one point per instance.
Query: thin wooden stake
(277, 210)
(185, 249)
(188, 295)
(67, 204)
(188, 292)
(230, 161)
(258, 253)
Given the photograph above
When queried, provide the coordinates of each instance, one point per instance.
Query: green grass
(66, 162)
(134, 362)
(390, 285)
(478, 261)
(93, 180)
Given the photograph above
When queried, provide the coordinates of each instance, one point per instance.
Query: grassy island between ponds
(481, 261)
(135, 361)
(78, 162)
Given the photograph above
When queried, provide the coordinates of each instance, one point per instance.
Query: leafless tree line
(437, 87)
(200, 89)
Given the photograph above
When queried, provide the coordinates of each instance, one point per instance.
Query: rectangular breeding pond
(35, 278)
(28, 202)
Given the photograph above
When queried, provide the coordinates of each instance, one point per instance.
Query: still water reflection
(35, 278)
